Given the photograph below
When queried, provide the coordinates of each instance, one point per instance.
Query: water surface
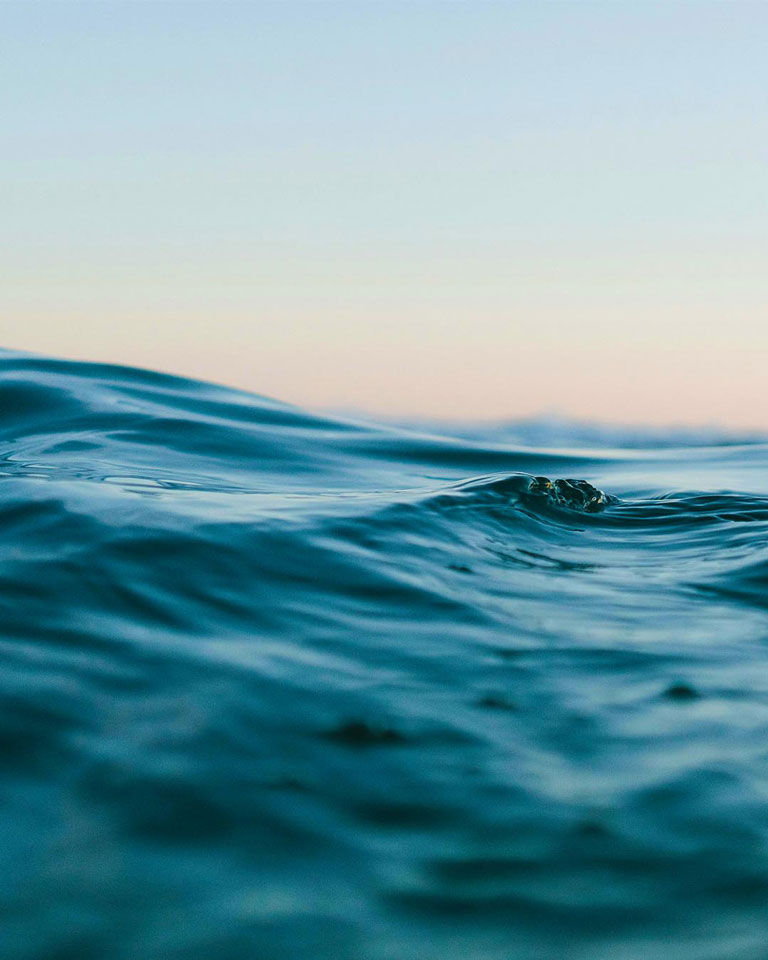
(279, 686)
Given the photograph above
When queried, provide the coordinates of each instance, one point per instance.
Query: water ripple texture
(277, 686)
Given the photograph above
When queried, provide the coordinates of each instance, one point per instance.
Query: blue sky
(457, 209)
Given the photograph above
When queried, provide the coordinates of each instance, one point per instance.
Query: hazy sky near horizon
(467, 209)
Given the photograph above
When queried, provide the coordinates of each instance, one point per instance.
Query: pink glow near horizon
(467, 210)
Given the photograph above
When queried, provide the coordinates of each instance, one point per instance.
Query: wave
(281, 685)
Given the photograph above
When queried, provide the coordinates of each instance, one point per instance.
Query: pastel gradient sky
(464, 209)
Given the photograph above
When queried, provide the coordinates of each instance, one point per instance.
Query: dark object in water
(681, 691)
(574, 494)
(359, 734)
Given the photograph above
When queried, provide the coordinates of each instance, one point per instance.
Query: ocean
(281, 686)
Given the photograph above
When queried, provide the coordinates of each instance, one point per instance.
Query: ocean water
(275, 686)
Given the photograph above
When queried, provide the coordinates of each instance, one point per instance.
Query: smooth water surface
(278, 686)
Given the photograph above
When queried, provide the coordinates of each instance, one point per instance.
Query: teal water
(278, 686)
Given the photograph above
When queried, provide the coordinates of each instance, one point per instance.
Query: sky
(453, 209)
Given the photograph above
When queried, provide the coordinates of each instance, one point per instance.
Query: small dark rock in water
(591, 830)
(459, 568)
(492, 702)
(575, 494)
(680, 691)
(509, 653)
(360, 734)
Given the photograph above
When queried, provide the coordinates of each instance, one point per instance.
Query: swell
(502, 700)
(169, 451)
(106, 419)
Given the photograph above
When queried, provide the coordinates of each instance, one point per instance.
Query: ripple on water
(285, 686)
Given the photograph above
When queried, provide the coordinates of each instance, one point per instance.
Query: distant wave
(280, 685)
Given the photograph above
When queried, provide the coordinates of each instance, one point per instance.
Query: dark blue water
(279, 687)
